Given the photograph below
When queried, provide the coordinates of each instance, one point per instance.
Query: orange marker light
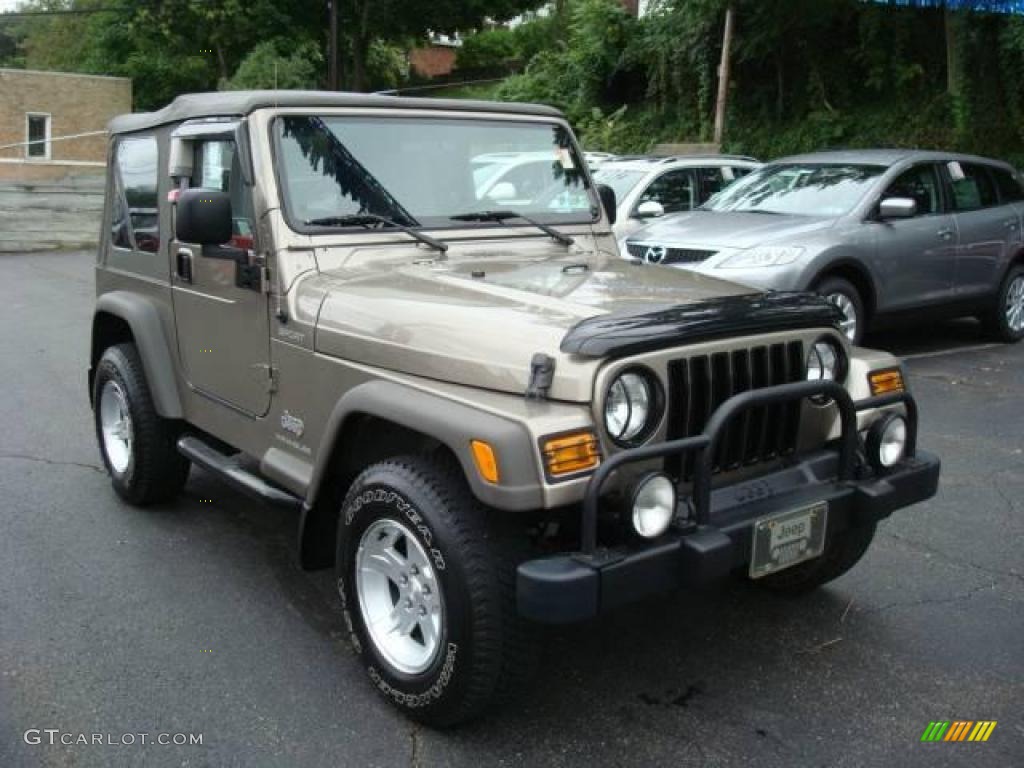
(568, 454)
(486, 461)
(886, 382)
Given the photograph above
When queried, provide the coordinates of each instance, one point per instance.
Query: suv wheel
(137, 445)
(840, 555)
(1005, 321)
(847, 298)
(427, 583)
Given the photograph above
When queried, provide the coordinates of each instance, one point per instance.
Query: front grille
(658, 254)
(698, 385)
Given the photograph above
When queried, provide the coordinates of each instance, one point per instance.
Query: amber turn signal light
(485, 460)
(886, 382)
(571, 453)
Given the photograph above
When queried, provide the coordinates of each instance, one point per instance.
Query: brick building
(39, 106)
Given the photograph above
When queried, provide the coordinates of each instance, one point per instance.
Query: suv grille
(698, 385)
(659, 254)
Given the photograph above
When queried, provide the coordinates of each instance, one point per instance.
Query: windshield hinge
(272, 379)
(542, 373)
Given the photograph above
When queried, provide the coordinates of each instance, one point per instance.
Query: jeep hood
(727, 229)
(478, 316)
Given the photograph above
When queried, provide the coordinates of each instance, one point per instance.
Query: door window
(218, 166)
(135, 218)
(675, 191)
(972, 186)
(920, 184)
(1010, 190)
(713, 181)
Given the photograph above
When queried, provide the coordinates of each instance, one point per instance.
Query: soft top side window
(135, 219)
(217, 165)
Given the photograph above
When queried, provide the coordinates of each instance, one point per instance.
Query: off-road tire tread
(505, 647)
(840, 556)
(160, 472)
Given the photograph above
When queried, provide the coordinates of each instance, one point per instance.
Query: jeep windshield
(424, 172)
(808, 189)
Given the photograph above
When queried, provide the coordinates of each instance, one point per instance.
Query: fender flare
(143, 317)
(451, 423)
(839, 263)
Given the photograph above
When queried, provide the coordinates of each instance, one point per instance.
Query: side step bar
(229, 470)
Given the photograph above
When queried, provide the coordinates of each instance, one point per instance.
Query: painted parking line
(943, 352)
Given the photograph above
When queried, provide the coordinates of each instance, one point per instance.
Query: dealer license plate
(783, 540)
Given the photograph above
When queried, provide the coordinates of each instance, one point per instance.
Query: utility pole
(332, 47)
(723, 77)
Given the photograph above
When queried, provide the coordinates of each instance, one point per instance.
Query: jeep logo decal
(292, 424)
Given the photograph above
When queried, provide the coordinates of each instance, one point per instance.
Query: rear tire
(138, 446)
(844, 295)
(840, 555)
(1005, 321)
(445, 654)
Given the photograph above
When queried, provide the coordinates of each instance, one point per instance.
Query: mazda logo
(655, 254)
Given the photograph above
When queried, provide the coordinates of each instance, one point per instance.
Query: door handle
(945, 234)
(1011, 224)
(184, 265)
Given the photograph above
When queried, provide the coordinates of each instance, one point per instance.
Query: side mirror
(897, 208)
(650, 209)
(608, 202)
(203, 217)
(503, 190)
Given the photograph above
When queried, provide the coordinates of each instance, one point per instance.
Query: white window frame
(28, 138)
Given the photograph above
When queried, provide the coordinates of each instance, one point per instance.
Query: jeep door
(220, 309)
(989, 227)
(915, 258)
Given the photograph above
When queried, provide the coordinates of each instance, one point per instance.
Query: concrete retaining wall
(51, 215)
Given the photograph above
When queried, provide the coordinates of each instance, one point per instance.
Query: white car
(649, 187)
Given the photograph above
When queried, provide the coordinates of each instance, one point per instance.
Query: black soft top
(239, 103)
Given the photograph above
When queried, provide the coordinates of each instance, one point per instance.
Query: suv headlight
(765, 256)
(632, 406)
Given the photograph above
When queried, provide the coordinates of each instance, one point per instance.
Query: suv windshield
(807, 189)
(423, 171)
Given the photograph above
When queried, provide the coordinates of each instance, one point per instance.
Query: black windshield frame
(297, 225)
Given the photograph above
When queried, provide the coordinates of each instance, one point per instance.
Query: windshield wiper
(502, 216)
(369, 219)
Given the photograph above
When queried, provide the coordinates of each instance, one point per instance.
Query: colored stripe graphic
(958, 730)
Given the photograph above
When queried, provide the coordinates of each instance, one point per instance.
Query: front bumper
(717, 539)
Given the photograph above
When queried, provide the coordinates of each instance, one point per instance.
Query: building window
(38, 131)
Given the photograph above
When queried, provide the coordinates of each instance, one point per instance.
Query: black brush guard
(578, 585)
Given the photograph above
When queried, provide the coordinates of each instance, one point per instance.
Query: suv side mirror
(650, 209)
(897, 208)
(203, 217)
(608, 202)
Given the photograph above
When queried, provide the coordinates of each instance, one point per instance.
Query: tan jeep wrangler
(407, 320)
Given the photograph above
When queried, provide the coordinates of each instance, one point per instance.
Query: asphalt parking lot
(192, 618)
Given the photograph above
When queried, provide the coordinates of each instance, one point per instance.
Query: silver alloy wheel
(116, 425)
(848, 325)
(1015, 304)
(399, 596)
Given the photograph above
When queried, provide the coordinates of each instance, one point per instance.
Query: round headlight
(887, 441)
(823, 361)
(654, 505)
(630, 407)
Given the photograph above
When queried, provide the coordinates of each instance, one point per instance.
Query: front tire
(842, 553)
(136, 443)
(845, 296)
(1005, 321)
(426, 577)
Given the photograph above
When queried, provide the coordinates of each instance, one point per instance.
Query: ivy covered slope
(806, 74)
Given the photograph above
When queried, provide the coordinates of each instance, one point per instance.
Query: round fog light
(654, 505)
(887, 441)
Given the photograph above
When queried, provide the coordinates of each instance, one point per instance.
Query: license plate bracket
(784, 539)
